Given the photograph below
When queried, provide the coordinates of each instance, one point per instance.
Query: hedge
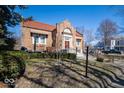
(54, 55)
(26, 55)
(22, 54)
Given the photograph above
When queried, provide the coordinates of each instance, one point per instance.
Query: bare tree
(18, 43)
(80, 29)
(119, 11)
(88, 34)
(106, 30)
(89, 37)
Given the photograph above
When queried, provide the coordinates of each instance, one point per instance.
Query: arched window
(67, 31)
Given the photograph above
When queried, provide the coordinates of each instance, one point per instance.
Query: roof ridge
(38, 25)
(41, 23)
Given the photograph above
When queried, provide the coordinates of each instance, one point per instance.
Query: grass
(41, 60)
(67, 73)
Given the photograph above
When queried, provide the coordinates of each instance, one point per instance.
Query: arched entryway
(67, 42)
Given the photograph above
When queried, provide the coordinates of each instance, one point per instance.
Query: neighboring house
(62, 36)
(116, 43)
(119, 43)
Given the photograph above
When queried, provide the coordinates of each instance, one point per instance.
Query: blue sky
(87, 16)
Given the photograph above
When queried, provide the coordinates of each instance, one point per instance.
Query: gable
(78, 34)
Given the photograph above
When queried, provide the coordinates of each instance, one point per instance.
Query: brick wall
(27, 39)
(54, 38)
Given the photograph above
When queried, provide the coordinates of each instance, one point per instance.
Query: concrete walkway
(81, 56)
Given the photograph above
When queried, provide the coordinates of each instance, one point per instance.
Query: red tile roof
(38, 25)
(43, 26)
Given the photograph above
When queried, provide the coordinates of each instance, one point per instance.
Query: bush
(0, 57)
(12, 67)
(54, 55)
(70, 56)
(38, 55)
(2, 70)
(22, 54)
(100, 59)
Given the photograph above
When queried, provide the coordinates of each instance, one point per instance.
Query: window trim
(78, 42)
(44, 40)
(39, 39)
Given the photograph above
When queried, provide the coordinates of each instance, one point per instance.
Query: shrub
(70, 56)
(12, 66)
(100, 59)
(54, 55)
(2, 70)
(37, 55)
(22, 54)
(0, 57)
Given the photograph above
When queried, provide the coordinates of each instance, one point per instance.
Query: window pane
(36, 38)
(43, 38)
(78, 42)
(67, 30)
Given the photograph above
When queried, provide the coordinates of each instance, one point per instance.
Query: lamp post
(87, 50)
(34, 43)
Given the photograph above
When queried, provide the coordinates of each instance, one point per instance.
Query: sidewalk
(83, 56)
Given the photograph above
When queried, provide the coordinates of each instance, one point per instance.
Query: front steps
(81, 56)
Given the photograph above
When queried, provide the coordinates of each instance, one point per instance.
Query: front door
(66, 44)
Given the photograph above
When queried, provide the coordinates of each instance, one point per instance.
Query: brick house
(62, 36)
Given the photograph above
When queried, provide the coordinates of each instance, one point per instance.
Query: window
(118, 43)
(67, 30)
(39, 39)
(35, 38)
(78, 42)
(43, 39)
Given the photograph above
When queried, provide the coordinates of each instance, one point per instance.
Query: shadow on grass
(100, 73)
(56, 71)
(104, 79)
(81, 75)
(59, 69)
(37, 81)
(117, 79)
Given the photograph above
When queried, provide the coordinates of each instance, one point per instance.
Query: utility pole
(87, 50)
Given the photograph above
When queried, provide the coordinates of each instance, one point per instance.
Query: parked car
(112, 51)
